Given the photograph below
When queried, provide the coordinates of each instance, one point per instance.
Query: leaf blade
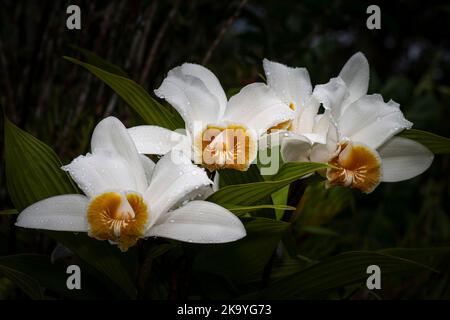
(347, 268)
(436, 143)
(32, 169)
(251, 193)
(136, 97)
(33, 173)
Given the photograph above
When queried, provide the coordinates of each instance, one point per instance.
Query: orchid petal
(332, 96)
(292, 85)
(306, 118)
(100, 172)
(110, 137)
(355, 74)
(372, 121)
(175, 179)
(60, 213)
(157, 140)
(189, 92)
(403, 159)
(210, 81)
(257, 106)
(199, 222)
(148, 166)
(295, 148)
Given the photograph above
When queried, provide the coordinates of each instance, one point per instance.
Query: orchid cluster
(127, 196)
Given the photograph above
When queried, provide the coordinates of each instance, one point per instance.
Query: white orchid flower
(360, 144)
(128, 197)
(220, 133)
(293, 87)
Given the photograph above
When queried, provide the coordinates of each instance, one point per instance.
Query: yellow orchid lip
(230, 147)
(119, 218)
(355, 166)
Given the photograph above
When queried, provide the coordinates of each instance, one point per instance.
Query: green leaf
(33, 173)
(243, 261)
(9, 212)
(243, 209)
(279, 198)
(47, 275)
(136, 97)
(95, 60)
(32, 169)
(29, 285)
(230, 177)
(319, 204)
(251, 193)
(437, 144)
(159, 249)
(428, 256)
(336, 272)
(426, 286)
(288, 266)
(319, 231)
(102, 256)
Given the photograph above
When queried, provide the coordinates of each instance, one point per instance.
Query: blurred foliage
(59, 103)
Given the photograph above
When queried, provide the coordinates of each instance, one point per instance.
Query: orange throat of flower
(230, 147)
(118, 218)
(356, 166)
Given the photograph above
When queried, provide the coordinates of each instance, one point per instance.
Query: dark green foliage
(319, 250)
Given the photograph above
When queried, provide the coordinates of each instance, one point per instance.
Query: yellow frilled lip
(110, 218)
(355, 165)
(235, 150)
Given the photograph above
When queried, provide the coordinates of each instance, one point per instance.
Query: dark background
(409, 57)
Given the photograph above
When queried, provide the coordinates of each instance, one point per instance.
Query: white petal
(210, 81)
(315, 137)
(320, 130)
(304, 123)
(355, 74)
(372, 121)
(191, 96)
(148, 166)
(175, 179)
(257, 107)
(216, 182)
(156, 140)
(403, 159)
(199, 222)
(60, 213)
(111, 137)
(332, 95)
(273, 139)
(292, 85)
(100, 172)
(295, 148)
(323, 152)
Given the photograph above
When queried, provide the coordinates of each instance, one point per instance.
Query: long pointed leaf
(437, 144)
(337, 272)
(136, 97)
(251, 193)
(33, 173)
